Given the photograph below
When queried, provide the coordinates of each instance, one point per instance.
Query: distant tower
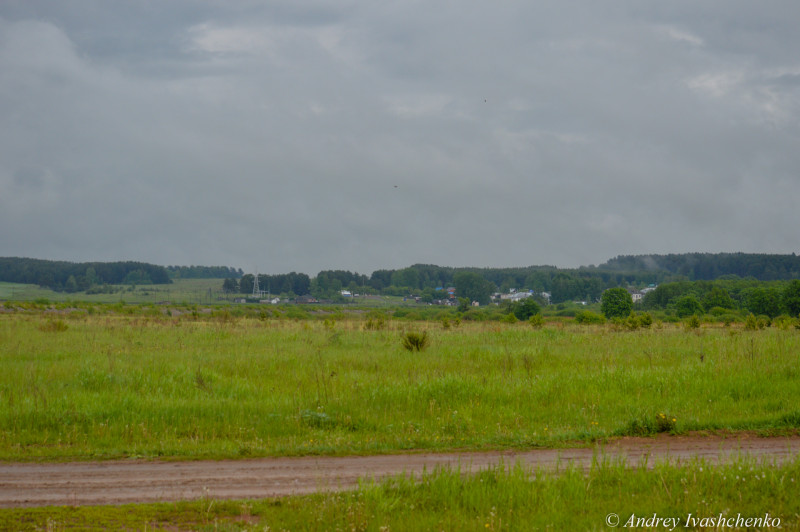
(256, 291)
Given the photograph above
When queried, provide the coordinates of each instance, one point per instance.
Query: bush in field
(645, 320)
(693, 322)
(509, 318)
(414, 341)
(524, 309)
(783, 322)
(589, 318)
(616, 303)
(54, 326)
(536, 321)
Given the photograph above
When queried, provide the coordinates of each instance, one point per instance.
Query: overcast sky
(358, 134)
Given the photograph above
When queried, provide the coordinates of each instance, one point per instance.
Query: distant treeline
(767, 298)
(710, 266)
(204, 272)
(288, 283)
(584, 283)
(78, 276)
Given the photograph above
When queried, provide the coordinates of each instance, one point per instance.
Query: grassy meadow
(88, 382)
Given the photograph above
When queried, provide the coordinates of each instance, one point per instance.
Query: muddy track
(135, 481)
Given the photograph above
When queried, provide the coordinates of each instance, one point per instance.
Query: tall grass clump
(414, 341)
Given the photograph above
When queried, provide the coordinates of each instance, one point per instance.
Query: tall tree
(616, 303)
(473, 286)
(791, 298)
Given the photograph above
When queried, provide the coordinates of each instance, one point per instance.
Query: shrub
(783, 322)
(536, 320)
(509, 318)
(646, 320)
(414, 341)
(648, 426)
(616, 303)
(588, 317)
(525, 309)
(54, 326)
(693, 322)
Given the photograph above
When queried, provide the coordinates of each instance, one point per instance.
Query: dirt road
(118, 482)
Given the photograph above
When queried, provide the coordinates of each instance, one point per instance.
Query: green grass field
(135, 381)
(89, 381)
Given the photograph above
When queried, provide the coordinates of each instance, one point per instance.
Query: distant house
(346, 293)
(636, 295)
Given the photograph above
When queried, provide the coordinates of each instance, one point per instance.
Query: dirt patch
(136, 481)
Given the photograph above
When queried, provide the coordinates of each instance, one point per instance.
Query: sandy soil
(133, 481)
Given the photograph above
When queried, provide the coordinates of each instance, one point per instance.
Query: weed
(54, 326)
(649, 425)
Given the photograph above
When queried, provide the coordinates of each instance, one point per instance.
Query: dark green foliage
(72, 276)
(707, 266)
(474, 287)
(764, 300)
(791, 298)
(204, 272)
(688, 306)
(718, 297)
(230, 286)
(616, 303)
(524, 309)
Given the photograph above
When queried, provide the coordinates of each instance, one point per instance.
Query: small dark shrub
(54, 326)
(414, 341)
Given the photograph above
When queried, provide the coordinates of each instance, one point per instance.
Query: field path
(136, 481)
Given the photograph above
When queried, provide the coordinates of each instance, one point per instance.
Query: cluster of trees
(204, 272)
(79, 276)
(585, 283)
(287, 283)
(696, 297)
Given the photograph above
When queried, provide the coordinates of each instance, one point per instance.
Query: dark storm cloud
(363, 135)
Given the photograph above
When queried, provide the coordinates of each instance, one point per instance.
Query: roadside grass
(136, 382)
(504, 497)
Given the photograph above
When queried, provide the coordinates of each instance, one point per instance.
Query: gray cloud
(363, 135)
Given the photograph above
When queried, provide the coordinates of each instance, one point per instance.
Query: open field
(86, 382)
(180, 292)
(210, 385)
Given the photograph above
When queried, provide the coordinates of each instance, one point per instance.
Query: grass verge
(499, 498)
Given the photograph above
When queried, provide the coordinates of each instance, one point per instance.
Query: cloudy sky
(360, 134)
